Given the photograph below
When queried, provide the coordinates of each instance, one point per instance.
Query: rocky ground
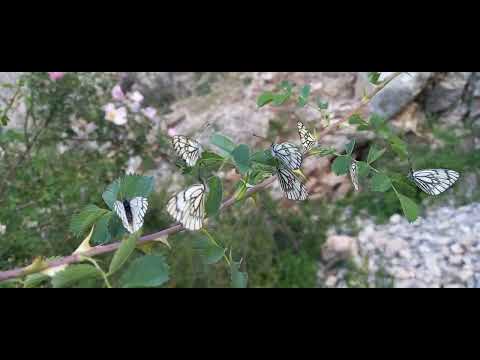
(440, 250)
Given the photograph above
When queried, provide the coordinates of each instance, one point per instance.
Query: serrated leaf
(362, 169)
(409, 207)
(123, 253)
(35, 280)
(215, 196)
(341, 165)
(381, 182)
(374, 154)
(211, 253)
(304, 95)
(323, 151)
(209, 158)
(101, 234)
(84, 220)
(356, 119)
(128, 187)
(376, 121)
(280, 99)
(110, 195)
(148, 271)
(73, 274)
(373, 78)
(223, 143)
(350, 146)
(265, 98)
(322, 105)
(239, 279)
(263, 157)
(399, 146)
(241, 155)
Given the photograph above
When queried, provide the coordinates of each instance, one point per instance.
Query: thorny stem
(176, 228)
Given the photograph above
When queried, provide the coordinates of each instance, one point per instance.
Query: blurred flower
(150, 112)
(117, 93)
(172, 132)
(83, 128)
(136, 99)
(117, 116)
(3, 229)
(54, 76)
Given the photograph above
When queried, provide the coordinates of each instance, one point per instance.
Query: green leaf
(110, 195)
(9, 284)
(239, 279)
(322, 105)
(381, 182)
(265, 98)
(280, 99)
(263, 157)
(362, 169)
(409, 207)
(4, 120)
(35, 280)
(363, 127)
(350, 146)
(287, 85)
(373, 78)
(323, 151)
(149, 271)
(356, 119)
(241, 155)
(101, 233)
(399, 146)
(210, 252)
(374, 154)
(223, 143)
(215, 196)
(377, 121)
(123, 253)
(127, 188)
(73, 274)
(83, 221)
(210, 157)
(341, 165)
(304, 95)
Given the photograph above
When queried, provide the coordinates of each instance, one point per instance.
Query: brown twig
(104, 249)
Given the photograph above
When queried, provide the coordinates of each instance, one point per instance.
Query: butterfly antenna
(260, 137)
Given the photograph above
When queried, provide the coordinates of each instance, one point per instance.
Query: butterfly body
(188, 207)
(131, 212)
(354, 175)
(434, 181)
(288, 154)
(187, 148)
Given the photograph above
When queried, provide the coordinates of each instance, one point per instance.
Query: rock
(339, 247)
(446, 92)
(399, 93)
(457, 249)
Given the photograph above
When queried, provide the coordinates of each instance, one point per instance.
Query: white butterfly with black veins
(306, 137)
(291, 185)
(187, 148)
(188, 207)
(354, 175)
(288, 154)
(434, 181)
(131, 213)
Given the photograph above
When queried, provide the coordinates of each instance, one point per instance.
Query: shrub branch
(104, 249)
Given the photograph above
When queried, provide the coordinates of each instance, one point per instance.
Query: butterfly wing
(435, 181)
(288, 154)
(120, 211)
(188, 207)
(291, 185)
(306, 137)
(354, 175)
(139, 206)
(187, 149)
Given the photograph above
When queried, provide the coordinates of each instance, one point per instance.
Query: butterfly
(187, 148)
(291, 185)
(131, 213)
(306, 137)
(434, 181)
(288, 154)
(354, 175)
(188, 207)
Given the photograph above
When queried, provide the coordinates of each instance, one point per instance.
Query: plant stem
(104, 249)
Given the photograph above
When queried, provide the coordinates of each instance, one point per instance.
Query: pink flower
(172, 132)
(117, 116)
(117, 93)
(150, 113)
(136, 97)
(54, 76)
